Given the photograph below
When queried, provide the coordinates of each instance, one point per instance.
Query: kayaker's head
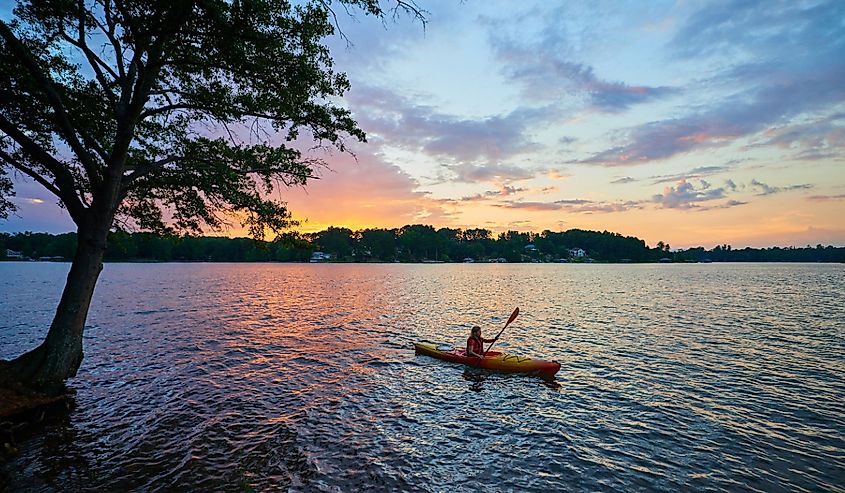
(476, 331)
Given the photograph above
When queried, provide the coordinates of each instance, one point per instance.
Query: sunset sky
(694, 123)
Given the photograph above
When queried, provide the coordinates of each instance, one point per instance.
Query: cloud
(726, 205)
(813, 155)
(532, 206)
(364, 45)
(740, 28)
(576, 206)
(473, 173)
(686, 196)
(608, 207)
(34, 213)
(505, 191)
(624, 179)
(822, 138)
(545, 74)
(540, 73)
(825, 198)
(698, 172)
(397, 121)
(765, 189)
(543, 59)
(28, 200)
(558, 175)
(519, 224)
(732, 119)
(780, 63)
(569, 202)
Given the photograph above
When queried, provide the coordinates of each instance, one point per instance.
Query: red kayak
(494, 360)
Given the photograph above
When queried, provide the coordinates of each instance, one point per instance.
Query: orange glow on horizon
(780, 226)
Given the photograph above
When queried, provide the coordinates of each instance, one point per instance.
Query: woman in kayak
(475, 343)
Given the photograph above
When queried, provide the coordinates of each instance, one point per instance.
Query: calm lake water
(708, 377)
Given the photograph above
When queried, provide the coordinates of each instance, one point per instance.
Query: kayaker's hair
(476, 329)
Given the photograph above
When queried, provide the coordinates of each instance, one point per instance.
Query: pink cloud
(685, 195)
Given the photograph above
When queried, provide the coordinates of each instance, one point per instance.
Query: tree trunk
(46, 367)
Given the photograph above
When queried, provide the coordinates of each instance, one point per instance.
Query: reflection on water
(233, 377)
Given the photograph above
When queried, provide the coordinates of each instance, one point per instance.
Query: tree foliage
(161, 115)
(382, 245)
(170, 114)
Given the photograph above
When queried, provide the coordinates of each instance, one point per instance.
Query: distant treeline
(412, 243)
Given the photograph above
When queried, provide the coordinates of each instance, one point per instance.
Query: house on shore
(577, 253)
(320, 257)
(12, 254)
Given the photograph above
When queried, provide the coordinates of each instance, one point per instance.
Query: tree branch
(63, 179)
(142, 171)
(31, 173)
(302, 176)
(46, 86)
(145, 76)
(110, 34)
(93, 61)
(411, 8)
(327, 5)
(168, 107)
(147, 169)
(187, 106)
(96, 63)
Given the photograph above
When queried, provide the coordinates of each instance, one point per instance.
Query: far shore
(377, 262)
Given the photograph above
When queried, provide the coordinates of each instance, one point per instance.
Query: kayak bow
(494, 360)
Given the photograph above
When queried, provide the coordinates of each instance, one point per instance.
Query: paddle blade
(513, 316)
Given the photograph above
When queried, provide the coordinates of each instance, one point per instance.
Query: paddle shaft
(510, 319)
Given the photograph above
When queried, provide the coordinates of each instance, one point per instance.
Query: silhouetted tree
(336, 241)
(417, 242)
(379, 244)
(99, 104)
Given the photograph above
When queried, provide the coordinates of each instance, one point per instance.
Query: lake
(302, 377)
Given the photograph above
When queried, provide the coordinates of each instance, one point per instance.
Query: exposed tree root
(23, 409)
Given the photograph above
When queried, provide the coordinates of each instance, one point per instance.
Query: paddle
(510, 319)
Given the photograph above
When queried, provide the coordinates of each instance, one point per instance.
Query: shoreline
(422, 262)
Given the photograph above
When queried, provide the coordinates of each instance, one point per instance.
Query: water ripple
(301, 377)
